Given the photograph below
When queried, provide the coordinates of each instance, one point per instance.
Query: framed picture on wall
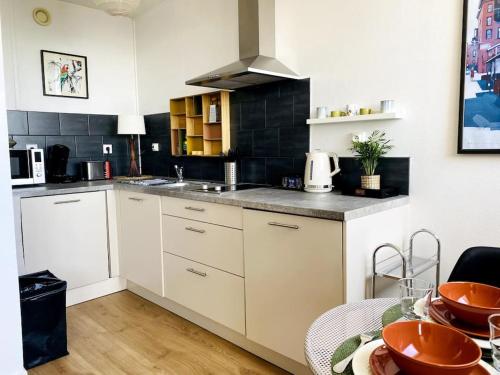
(64, 75)
(479, 120)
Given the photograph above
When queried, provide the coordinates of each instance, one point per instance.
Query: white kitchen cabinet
(293, 273)
(140, 240)
(68, 235)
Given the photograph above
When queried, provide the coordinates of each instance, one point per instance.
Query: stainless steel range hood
(257, 63)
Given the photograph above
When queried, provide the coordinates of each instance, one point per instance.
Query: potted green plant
(368, 150)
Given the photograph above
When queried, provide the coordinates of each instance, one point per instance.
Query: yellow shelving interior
(190, 121)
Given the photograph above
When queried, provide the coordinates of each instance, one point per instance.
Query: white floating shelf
(358, 118)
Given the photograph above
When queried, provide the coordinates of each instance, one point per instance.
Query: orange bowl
(420, 347)
(471, 302)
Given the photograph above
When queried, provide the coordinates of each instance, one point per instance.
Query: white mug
(321, 112)
(387, 106)
(352, 109)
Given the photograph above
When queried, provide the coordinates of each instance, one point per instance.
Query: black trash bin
(43, 318)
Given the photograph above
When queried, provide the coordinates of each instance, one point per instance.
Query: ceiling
(143, 7)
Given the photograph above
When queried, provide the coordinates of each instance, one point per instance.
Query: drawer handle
(65, 202)
(195, 209)
(195, 230)
(289, 226)
(199, 273)
(135, 199)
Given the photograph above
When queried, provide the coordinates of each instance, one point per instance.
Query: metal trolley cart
(404, 264)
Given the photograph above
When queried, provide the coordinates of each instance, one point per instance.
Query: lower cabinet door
(68, 235)
(140, 240)
(293, 274)
(216, 294)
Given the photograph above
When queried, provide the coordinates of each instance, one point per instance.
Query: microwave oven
(27, 167)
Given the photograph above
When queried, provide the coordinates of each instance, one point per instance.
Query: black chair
(478, 264)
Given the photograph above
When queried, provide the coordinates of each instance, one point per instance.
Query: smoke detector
(118, 7)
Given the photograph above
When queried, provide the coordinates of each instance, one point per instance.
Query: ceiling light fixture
(118, 7)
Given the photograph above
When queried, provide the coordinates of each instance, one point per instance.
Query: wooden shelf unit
(189, 120)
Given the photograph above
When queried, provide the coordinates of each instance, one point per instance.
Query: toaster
(92, 170)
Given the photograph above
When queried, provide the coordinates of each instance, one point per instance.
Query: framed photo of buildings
(479, 120)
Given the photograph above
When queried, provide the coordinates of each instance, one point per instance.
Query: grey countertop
(333, 206)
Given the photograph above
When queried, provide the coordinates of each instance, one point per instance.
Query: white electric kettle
(318, 174)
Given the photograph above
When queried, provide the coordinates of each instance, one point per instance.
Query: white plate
(361, 360)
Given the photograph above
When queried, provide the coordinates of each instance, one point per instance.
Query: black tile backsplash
(266, 143)
(24, 140)
(89, 146)
(66, 140)
(17, 122)
(43, 123)
(253, 115)
(267, 126)
(74, 124)
(270, 130)
(279, 112)
(103, 124)
(84, 135)
(393, 171)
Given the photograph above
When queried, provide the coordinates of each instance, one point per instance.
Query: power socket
(105, 149)
(155, 147)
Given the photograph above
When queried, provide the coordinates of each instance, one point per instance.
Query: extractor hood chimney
(257, 63)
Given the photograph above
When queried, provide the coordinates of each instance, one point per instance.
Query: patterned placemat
(391, 315)
(350, 345)
(346, 349)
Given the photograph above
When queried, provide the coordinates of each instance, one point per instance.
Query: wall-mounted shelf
(189, 121)
(358, 118)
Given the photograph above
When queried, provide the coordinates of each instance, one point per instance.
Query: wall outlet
(105, 149)
(155, 147)
(30, 146)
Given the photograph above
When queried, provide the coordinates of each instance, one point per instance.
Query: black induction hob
(217, 189)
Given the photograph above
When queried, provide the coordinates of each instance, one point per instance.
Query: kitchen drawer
(216, 294)
(210, 244)
(229, 216)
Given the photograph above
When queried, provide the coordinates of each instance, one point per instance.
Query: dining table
(335, 326)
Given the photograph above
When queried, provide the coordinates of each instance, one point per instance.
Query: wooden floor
(125, 334)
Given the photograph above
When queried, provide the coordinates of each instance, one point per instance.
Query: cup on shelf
(335, 113)
(321, 112)
(387, 106)
(365, 111)
(352, 109)
(415, 298)
(494, 323)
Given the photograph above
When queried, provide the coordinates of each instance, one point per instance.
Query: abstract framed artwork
(64, 75)
(479, 119)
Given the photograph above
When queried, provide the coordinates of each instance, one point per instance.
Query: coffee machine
(57, 163)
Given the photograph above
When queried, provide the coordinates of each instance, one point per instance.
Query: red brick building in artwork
(486, 42)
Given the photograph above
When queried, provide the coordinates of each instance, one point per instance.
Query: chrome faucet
(180, 173)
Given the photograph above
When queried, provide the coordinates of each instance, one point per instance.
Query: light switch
(155, 147)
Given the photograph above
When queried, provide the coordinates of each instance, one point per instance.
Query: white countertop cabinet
(140, 240)
(293, 273)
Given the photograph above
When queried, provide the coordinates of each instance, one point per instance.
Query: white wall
(106, 41)
(364, 51)
(11, 351)
(179, 40)
(354, 52)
